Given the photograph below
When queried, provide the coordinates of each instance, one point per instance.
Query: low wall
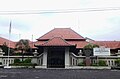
(89, 67)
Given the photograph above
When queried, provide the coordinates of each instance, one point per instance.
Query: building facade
(63, 48)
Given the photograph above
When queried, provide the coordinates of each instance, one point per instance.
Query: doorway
(56, 58)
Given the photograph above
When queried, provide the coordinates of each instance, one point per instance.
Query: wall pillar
(87, 61)
(45, 57)
(67, 57)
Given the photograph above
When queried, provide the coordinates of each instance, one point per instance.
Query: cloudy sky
(97, 25)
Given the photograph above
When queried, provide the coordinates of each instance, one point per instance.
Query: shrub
(28, 60)
(102, 63)
(25, 61)
(81, 64)
(17, 61)
(117, 62)
(94, 64)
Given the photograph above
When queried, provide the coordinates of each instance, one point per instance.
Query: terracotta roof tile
(65, 33)
(32, 44)
(6, 41)
(56, 41)
(109, 44)
(80, 44)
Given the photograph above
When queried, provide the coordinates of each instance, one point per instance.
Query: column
(87, 61)
(67, 57)
(45, 57)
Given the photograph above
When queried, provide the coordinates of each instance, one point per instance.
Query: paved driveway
(58, 74)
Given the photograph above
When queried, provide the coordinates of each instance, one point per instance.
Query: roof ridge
(64, 40)
(46, 33)
(6, 39)
(51, 31)
(107, 41)
(63, 28)
(77, 33)
(66, 33)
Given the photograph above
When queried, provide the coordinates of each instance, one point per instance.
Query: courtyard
(58, 74)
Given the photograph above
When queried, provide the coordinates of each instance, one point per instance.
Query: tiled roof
(36, 43)
(6, 42)
(79, 44)
(56, 41)
(109, 44)
(65, 33)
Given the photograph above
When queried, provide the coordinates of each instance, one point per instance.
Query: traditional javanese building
(63, 47)
(58, 45)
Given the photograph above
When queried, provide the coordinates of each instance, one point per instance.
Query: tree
(5, 49)
(23, 45)
(88, 51)
(90, 46)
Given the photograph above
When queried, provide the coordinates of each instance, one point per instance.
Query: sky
(97, 25)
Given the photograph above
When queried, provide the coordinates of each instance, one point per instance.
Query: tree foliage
(23, 45)
(88, 49)
(5, 48)
(90, 46)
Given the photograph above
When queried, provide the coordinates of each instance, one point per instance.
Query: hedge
(17, 61)
(117, 62)
(95, 64)
(102, 63)
(28, 60)
(81, 64)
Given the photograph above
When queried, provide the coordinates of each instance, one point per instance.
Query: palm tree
(23, 45)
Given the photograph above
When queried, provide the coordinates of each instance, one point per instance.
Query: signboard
(102, 51)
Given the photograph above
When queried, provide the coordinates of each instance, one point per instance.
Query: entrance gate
(56, 58)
